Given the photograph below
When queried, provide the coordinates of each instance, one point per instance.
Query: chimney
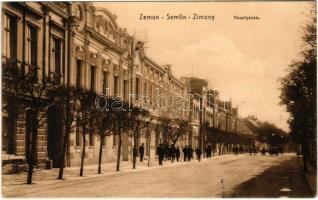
(167, 67)
(139, 45)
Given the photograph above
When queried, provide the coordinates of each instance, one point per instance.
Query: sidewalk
(310, 176)
(48, 177)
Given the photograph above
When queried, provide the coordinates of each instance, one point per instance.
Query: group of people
(170, 152)
(187, 153)
(166, 152)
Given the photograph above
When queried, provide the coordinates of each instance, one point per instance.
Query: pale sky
(242, 59)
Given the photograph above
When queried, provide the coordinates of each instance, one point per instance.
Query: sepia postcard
(149, 99)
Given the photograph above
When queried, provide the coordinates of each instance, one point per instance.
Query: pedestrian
(166, 152)
(160, 152)
(209, 151)
(190, 153)
(172, 152)
(185, 153)
(241, 149)
(141, 152)
(177, 153)
(198, 152)
(135, 154)
(263, 151)
(235, 150)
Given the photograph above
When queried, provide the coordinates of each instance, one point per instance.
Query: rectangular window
(137, 86)
(126, 90)
(116, 85)
(151, 93)
(56, 58)
(145, 88)
(105, 82)
(78, 73)
(78, 133)
(104, 141)
(91, 138)
(91, 132)
(31, 50)
(9, 37)
(93, 77)
(114, 140)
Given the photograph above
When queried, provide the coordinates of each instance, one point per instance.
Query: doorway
(54, 135)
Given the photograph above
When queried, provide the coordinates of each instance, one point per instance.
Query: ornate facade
(85, 46)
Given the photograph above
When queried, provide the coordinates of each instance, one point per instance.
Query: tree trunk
(134, 156)
(83, 152)
(135, 152)
(223, 149)
(32, 154)
(62, 163)
(213, 149)
(100, 155)
(33, 149)
(119, 150)
(31, 160)
(67, 126)
(29, 179)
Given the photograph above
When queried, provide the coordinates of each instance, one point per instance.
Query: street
(221, 176)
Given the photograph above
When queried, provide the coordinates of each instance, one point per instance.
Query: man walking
(172, 152)
(198, 153)
(209, 151)
(141, 152)
(190, 153)
(177, 153)
(160, 152)
(185, 153)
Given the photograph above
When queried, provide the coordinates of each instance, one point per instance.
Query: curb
(311, 187)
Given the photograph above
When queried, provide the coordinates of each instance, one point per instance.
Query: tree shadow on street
(283, 180)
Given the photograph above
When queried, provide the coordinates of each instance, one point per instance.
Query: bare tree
(67, 100)
(182, 127)
(38, 102)
(121, 112)
(136, 123)
(104, 123)
(167, 128)
(86, 105)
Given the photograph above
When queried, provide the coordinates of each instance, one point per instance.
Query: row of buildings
(84, 45)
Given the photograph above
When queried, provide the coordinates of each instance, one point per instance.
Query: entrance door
(54, 135)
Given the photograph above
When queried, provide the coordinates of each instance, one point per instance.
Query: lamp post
(214, 106)
(147, 120)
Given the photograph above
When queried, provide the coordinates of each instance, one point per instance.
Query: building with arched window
(81, 45)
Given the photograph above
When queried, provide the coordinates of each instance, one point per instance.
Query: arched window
(90, 18)
(79, 12)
